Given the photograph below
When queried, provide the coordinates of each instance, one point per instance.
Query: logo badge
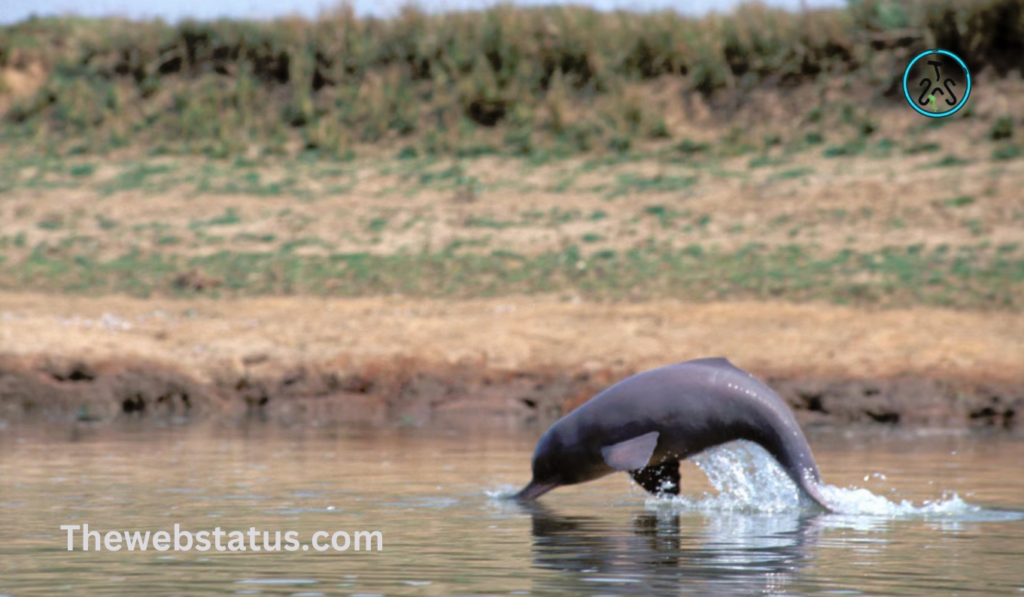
(937, 83)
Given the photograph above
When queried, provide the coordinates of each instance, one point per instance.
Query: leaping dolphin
(647, 423)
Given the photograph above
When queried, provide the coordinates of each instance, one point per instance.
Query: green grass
(1007, 152)
(82, 170)
(764, 160)
(975, 226)
(51, 223)
(794, 173)
(948, 162)
(970, 277)
(814, 138)
(962, 201)
(138, 177)
(485, 222)
(665, 215)
(377, 225)
(230, 217)
(291, 245)
(848, 149)
(246, 237)
(452, 173)
(922, 147)
(249, 183)
(690, 147)
(628, 184)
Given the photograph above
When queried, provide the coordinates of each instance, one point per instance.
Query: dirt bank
(516, 361)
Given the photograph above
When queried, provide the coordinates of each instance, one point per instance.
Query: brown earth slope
(510, 360)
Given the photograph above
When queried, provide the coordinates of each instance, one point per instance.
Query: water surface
(922, 513)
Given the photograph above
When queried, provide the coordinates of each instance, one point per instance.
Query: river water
(921, 514)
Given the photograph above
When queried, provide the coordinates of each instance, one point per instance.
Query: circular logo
(937, 83)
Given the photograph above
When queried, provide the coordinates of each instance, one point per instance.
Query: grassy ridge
(507, 79)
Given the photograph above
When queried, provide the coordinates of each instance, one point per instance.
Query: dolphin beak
(534, 490)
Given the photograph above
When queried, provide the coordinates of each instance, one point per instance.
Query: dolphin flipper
(659, 479)
(632, 454)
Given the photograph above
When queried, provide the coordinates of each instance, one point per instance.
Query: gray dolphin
(647, 423)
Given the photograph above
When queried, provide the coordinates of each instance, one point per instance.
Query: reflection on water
(921, 514)
(660, 552)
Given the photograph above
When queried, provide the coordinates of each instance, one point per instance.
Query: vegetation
(514, 150)
(517, 80)
(604, 229)
(971, 277)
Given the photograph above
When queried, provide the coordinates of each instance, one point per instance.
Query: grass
(949, 161)
(851, 148)
(229, 218)
(535, 81)
(246, 237)
(629, 184)
(139, 177)
(764, 160)
(487, 222)
(1007, 152)
(690, 147)
(922, 147)
(377, 224)
(794, 173)
(971, 277)
(82, 170)
(1002, 129)
(276, 204)
(665, 215)
(961, 201)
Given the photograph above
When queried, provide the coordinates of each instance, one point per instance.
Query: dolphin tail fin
(813, 491)
(808, 480)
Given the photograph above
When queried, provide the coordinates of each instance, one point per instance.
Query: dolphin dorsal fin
(632, 454)
(720, 362)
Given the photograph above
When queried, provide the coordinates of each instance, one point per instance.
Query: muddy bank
(520, 361)
(405, 392)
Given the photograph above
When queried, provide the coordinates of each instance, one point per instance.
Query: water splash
(503, 492)
(747, 478)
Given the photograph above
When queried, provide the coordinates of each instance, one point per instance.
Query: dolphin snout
(534, 490)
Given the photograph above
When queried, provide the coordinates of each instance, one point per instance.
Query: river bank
(516, 361)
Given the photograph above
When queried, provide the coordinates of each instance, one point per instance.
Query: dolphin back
(696, 405)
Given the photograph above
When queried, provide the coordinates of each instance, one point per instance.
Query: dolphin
(647, 423)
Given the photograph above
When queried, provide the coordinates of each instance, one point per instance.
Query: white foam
(747, 478)
(502, 492)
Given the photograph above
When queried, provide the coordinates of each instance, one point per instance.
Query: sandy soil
(408, 361)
